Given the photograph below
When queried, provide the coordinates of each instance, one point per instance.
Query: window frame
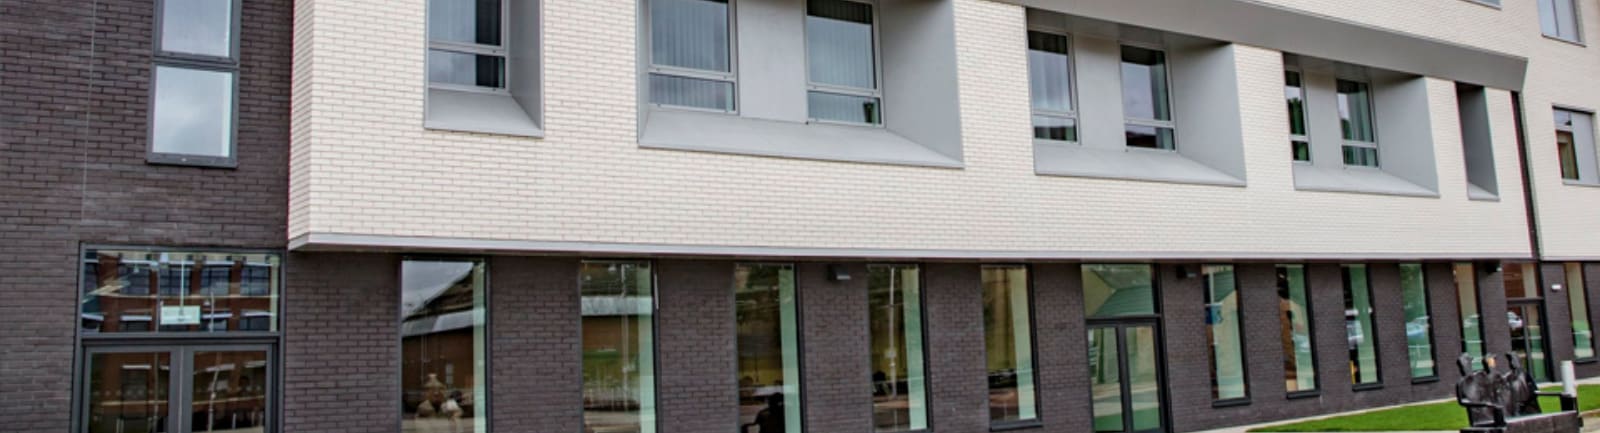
(1305, 118)
(799, 339)
(655, 332)
(1582, 287)
(503, 51)
(1577, 146)
(1477, 302)
(1172, 111)
(1311, 330)
(1244, 344)
(1433, 341)
(1577, 22)
(1072, 87)
(488, 330)
(877, 70)
(1372, 116)
(1372, 316)
(1033, 342)
(651, 68)
(922, 299)
(228, 64)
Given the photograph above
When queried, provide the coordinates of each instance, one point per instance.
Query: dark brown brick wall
(696, 340)
(537, 365)
(957, 367)
(1063, 343)
(342, 343)
(835, 382)
(73, 106)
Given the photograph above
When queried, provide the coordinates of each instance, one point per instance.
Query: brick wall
(73, 109)
(537, 367)
(835, 382)
(698, 384)
(341, 355)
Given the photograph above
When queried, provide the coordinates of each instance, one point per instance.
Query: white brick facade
(364, 165)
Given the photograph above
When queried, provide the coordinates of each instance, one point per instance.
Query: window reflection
(769, 352)
(1294, 315)
(1363, 336)
(1118, 290)
(1578, 301)
(230, 392)
(443, 345)
(1467, 306)
(127, 392)
(618, 347)
(1008, 340)
(1224, 333)
(1419, 323)
(899, 394)
(194, 291)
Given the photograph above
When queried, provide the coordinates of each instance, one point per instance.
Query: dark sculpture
(1505, 400)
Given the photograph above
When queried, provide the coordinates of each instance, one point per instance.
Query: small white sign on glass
(180, 315)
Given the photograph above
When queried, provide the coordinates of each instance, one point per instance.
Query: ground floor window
(1224, 333)
(1419, 323)
(618, 303)
(899, 388)
(1578, 300)
(1008, 344)
(1294, 315)
(1466, 277)
(444, 345)
(1360, 326)
(767, 322)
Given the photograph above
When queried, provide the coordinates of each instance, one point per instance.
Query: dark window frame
(227, 64)
(488, 329)
(1244, 346)
(1427, 304)
(1311, 330)
(1033, 342)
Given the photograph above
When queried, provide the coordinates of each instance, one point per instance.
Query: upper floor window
(1356, 122)
(1575, 145)
(1294, 91)
(1050, 87)
(1559, 19)
(193, 97)
(466, 44)
(1145, 105)
(483, 67)
(690, 55)
(841, 56)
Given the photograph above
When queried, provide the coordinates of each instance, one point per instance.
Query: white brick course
(363, 164)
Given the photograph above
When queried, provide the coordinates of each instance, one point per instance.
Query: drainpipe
(1527, 181)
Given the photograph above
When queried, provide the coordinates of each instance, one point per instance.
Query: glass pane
(1578, 299)
(1144, 84)
(464, 21)
(230, 392)
(1049, 72)
(1302, 150)
(443, 343)
(193, 112)
(1008, 340)
(618, 347)
(1295, 93)
(198, 291)
(769, 349)
(1105, 380)
(1118, 290)
(691, 92)
(202, 27)
(899, 394)
(1566, 17)
(1143, 384)
(1360, 156)
(1527, 339)
(1055, 128)
(839, 46)
(844, 108)
(449, 67)
(127, 392)
(1419, 324)
(1471, 322)
(1521, 280)
(1294, 313)
(1355, 111)
(1547, 18)
(690, 34)
(1224, 333)
(1363, 337)
(1150, 137)
(1569, 155)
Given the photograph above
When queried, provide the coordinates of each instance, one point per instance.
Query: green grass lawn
(1437, 416)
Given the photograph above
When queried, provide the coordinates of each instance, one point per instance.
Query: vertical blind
(839, 43)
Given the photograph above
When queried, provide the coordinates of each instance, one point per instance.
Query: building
(765, 216)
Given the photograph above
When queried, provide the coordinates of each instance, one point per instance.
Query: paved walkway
(1591, 422)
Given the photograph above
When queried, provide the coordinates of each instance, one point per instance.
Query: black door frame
(1544, 334)
(1120, 324)
(180, 378)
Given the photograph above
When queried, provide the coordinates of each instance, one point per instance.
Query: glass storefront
(1224, 333)
(1359, 326)
(156, 291)
(443, 346)
(1419, 323)
(1008, 343)
(899, 390)
(1294, 316)
(768, 332)
(618, 303)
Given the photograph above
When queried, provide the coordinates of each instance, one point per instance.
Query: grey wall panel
(1405, 128)
(919, 73)
(525, 61)
(1322, 117)
(1098, 63)
(1205, 99)
(1472, 104)
(770, 36)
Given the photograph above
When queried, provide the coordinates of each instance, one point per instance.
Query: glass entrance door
(163, 389)
(1528, 339)
(1125, 379)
